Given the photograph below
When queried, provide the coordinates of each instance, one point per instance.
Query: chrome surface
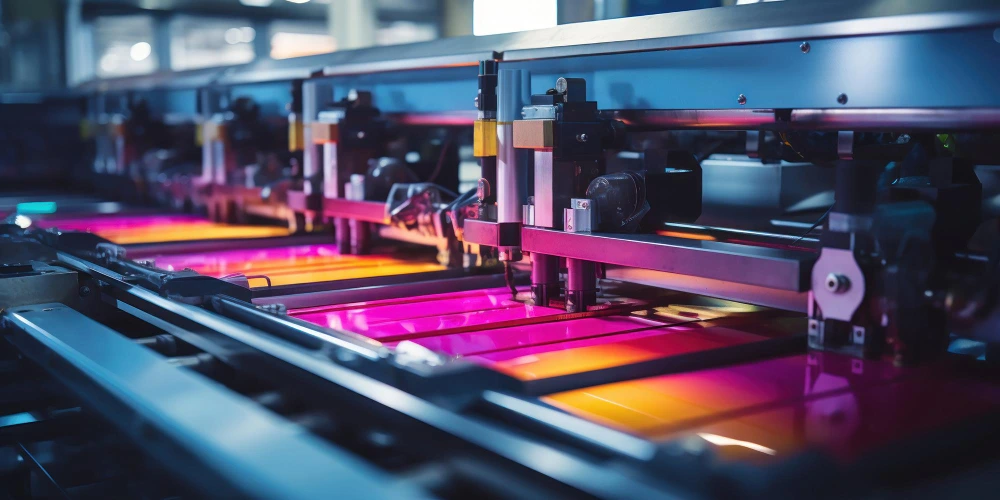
(544, 213)
(511, 172)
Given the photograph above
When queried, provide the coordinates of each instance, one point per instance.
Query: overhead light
(22, 221)
(247, 34)
(257, 3)
(298, 1)
(490, 17)
(233, 36)
(109, 62)
(140, 51)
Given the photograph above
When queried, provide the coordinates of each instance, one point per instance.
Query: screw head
(562, 85)
(361, 135)
(842, 98)
(581, 137)
(837, 283)
(805, 47)
(742, 99)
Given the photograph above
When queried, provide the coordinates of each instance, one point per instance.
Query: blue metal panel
(273, 98)
(182, 101)
(939, 69)
(420, 91)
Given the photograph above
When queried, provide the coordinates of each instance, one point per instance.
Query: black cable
(814, 226)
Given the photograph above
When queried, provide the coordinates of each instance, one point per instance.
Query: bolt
(581, 137)
(361, 135)
(84, 291)
(805, 47)
(562, 85)
(837, 283)
(742, 99)
(842, 98)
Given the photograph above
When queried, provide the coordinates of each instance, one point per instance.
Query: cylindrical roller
(489, 172)
(342, 233)
(511, 173)
(581, 285)
(311, 161)
(544, 278)
(361, 237)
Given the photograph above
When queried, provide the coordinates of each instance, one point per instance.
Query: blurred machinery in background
(741, 251)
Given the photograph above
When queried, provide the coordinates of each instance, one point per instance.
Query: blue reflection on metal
(939, 69)
(419, 91)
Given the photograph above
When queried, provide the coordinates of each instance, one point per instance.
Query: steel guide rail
(260, 351)
(182, 417)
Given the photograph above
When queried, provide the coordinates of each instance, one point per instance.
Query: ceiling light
(233, 36)
(257, 3)
(247, 34)
(298, 1)
(140, 51)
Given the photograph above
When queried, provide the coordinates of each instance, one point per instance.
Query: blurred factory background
(52, 44)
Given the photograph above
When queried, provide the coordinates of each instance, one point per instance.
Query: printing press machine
(737, 252)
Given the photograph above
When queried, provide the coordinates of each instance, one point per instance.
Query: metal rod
(581, 285)
(511, 172)
(545, 284)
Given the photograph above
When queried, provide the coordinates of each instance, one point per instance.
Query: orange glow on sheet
(293, 264)
(188, 231)
(370, 269)
(687, 236)
(676, 341)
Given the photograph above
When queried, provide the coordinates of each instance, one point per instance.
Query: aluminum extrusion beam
(746, 24)
(758, 266)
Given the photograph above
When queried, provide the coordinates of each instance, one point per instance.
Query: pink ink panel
(536, 338)
(407, 319)
(529, 342)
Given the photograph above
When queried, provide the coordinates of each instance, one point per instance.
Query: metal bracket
(838, 284)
